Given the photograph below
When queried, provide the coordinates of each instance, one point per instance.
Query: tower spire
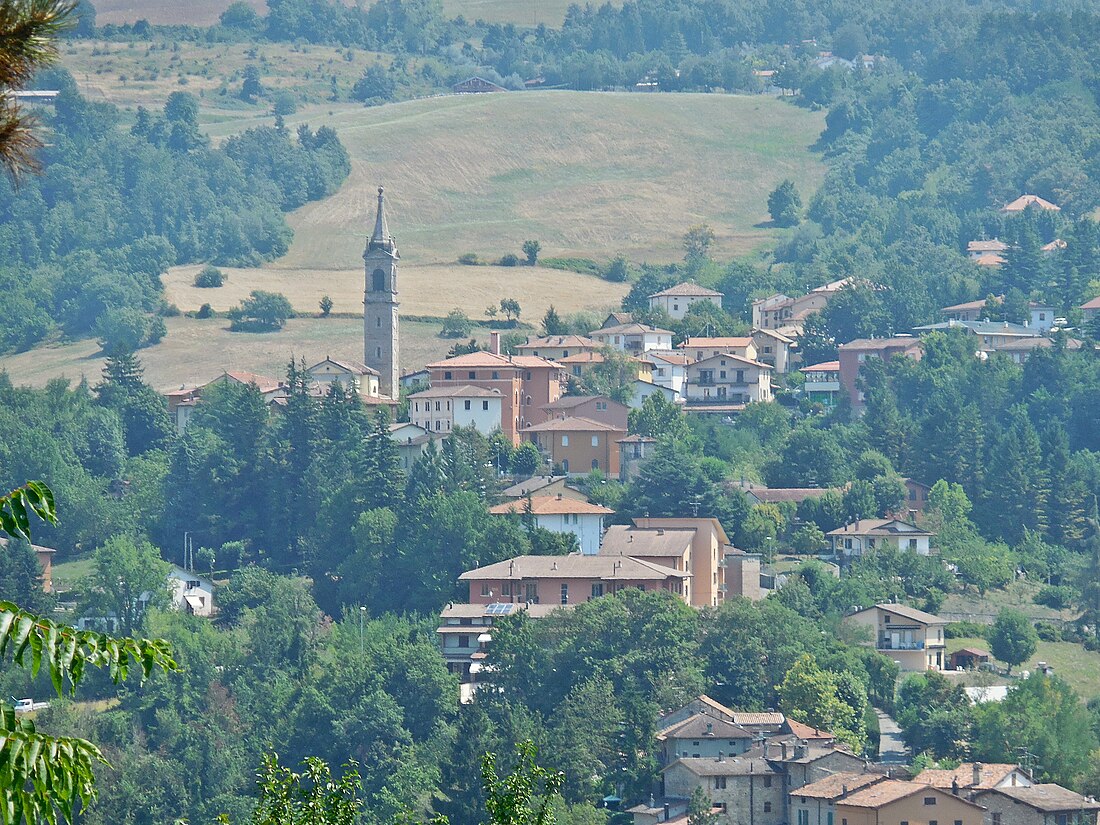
(381, 236)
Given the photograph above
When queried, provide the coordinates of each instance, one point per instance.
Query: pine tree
(1066, 506)
(552, 324)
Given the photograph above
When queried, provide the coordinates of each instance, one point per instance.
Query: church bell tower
(380, 319)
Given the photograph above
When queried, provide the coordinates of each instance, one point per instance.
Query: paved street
(891, 747)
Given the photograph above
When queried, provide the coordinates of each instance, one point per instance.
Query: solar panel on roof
(498, 609)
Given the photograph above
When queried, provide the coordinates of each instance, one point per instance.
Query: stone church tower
(380, 319)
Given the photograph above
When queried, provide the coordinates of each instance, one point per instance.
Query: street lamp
(362, 612)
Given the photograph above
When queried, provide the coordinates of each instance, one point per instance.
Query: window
(601, 405)
(595, 464)
(485, 405)
(437, 406)
(912, 544)
(803, 818)
(447, 375)
(191, 584)
(463, 641)
(378, 321)
(533, 592)
(473, 374)
(377, 352)
(721, 373)
(506, 589)
(740, 376)
(829, 818)
(527, 376)
(930, 800)
(767, 807)
(466, 404)
(565, 592)
(438, 425)
(595, 441)
(719, 783)
(958, 822)
(565, 466)
(485, 591)
(378, 281)
(597, 589)
(496, 375)
(565, 441)
(767, 781)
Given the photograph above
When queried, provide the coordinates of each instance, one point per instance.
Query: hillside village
(720, 444)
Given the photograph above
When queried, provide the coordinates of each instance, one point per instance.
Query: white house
(699, 348)
(441, 409)
(412, 440)
(867, 534)
(677, 300)
(562, 515)
(641, 390)
(633, 338)
(190, 592)
(728, 379)
(774, 349)
(352, 375)
(669, 369)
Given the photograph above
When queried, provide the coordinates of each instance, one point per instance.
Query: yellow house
(894, 801)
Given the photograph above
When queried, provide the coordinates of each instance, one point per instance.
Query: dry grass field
(195, 351)
(425, 290)
(206, 12)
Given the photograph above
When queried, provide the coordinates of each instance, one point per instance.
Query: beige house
(788, 315)
(774, 349)
(677, 300)
(633, 338)
(815, 804)
(565, 580)
(975, 250)
(894, 801)
(976, 776)
(593, 407)
(699, 348)
(702, 736)
(1043, 804)
(1025, 202)
(352, 375)
(544, 486)
(726, 379)
(556, 347)
(870, 533)
(912, 638)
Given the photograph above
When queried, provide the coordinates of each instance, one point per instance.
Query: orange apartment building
(526, 384)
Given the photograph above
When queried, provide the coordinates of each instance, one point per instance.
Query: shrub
(468, 259)
(617, 270)
(204, 311)
(965, 630)
(1048, 632)
(209, 277)
(1058, 597)
(261, 311)
(326, 305)
(509, 260)
(456, 324)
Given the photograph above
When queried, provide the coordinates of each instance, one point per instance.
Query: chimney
(719, 759)
(977, 777)
(783, 751)
(668, 812)
(843, 791)
(494, 342)
(955, 785)
(559, 497)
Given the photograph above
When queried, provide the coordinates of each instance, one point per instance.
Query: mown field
(206, 12)
(195, 351)
(1079, 667)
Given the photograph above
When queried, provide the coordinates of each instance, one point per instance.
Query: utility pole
(362, 612)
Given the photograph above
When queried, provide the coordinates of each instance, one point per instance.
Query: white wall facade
(587, 527)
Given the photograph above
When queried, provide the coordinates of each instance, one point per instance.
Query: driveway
(891, 747)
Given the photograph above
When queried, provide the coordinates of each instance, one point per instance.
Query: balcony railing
(890, 644)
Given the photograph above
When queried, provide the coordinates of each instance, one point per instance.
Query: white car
(28, 705)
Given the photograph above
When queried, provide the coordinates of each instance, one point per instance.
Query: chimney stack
(494, 342)
(783, 751)
(977, 777)
(955, 785)
(668, 812)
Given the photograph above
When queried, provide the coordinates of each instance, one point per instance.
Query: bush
(204, 311)
(617, 270)
(261, 312)
(509, 260)
(209, 277)
(124, 329)
(456, 324)
(170, 311)
(468, 259)
(325, 305)
(965, 630)
(1058, 597)
(1048, 632)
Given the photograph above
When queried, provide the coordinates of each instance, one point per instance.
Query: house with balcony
(912, 638)
(822, 383)
(633, 338)
(677, 300)
(727, 382)
(465, 632)
(562, 515)
(870, 533)
(566, 580)
(578, 445)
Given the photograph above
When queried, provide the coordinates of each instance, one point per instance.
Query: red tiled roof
(550, 506)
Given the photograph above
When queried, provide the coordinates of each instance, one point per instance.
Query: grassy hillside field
(205, 12)
(195, 351)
